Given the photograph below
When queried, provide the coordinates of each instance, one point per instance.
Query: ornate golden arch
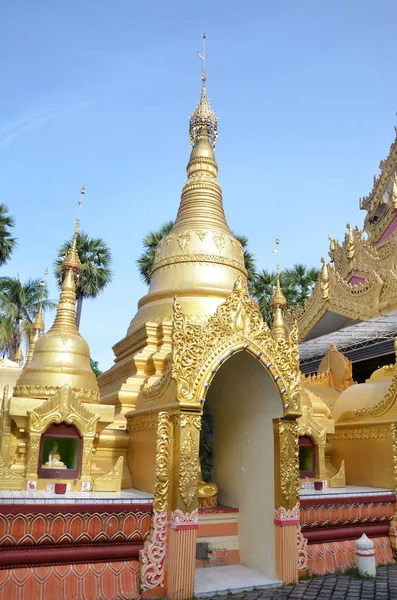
(62, 407)
(198, 349)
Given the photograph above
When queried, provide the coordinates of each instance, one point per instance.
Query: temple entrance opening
(243, 401)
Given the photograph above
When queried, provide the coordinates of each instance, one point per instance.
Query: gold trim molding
(44, 391)
(360, 433)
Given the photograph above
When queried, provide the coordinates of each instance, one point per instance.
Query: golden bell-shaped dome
(200, 260)
(61, 356)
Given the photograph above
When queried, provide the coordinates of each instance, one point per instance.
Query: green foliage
(7, 242)
(150, 242)
(95, 367)
(297, 285)
(19, 304)
(95, 274)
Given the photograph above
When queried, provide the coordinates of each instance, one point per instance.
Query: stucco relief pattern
(87, 581)
(152, 556)
(43, 529)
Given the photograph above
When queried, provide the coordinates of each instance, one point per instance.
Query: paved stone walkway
(332, 587)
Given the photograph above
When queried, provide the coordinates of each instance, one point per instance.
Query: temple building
(203, 459)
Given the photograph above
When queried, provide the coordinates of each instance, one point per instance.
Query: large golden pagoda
(199, 261)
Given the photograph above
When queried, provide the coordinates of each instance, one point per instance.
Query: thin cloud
(25, 123)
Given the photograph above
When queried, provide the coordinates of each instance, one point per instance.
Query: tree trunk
(79, 306)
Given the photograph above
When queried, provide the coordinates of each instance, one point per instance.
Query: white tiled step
(232, 578)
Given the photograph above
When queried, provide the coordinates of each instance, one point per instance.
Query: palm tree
(7, 242)
(146, 261)
(297, 285)
(302, 279)
(95, 274)
(19, 304)
(150, 242)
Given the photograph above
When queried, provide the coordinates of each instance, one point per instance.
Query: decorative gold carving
(289, 462)
(142, 423)
(360, 433)
(196, 347)
(318, 379)
(183, 240)
(381, 407)
(46, 391)
(308, 425)
(88, 448)
(174, 259)
(219, 240)
(201, 233)
(324, 280)
(183, 420)
(33, 456)
(110, 482)
(169, 239)
(163, 448)
(188, 471)
(339, 478)
(63, 406)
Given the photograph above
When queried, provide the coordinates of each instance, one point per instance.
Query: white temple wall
(244, 401)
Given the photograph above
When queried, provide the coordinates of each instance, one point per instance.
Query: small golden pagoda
(51, 425)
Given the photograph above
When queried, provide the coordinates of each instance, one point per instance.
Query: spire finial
(276, 252)
(71, 260)
(65, 319)
(203, 122)
(203, 58)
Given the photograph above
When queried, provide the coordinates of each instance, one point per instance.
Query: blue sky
(99, 93)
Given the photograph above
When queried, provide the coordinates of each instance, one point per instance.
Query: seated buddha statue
(207, 492)
(54, 459)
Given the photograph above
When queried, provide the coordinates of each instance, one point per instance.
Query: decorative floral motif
(302, 551)
(152, 556)
(178, 517)
(219, 240)
(289, 462)
(163, 446)
(188, 471)
(183, 240)
(238, 319)
(201, 233)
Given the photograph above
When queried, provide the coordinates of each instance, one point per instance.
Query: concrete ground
(332, 587)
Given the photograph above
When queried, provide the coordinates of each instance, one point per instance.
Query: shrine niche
(60, 453)
(307, 457)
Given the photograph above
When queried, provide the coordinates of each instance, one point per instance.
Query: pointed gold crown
(203, 122)
(278, 299)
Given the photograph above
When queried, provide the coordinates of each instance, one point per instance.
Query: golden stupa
(199, 261)
(61, 356)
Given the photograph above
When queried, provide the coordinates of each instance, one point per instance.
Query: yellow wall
(367, 462)
(141, 459)
(244, 401)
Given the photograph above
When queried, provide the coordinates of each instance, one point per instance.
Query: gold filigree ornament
(63, 407)
(289, 462)
(163, 447)
(189, 464)
(236, 325)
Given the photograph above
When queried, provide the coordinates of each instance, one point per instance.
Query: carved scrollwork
(289, 462)
(163, 448)
(237, 319)
(189, 465)
(63, 406)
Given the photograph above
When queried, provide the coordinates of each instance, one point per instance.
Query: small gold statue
(207, 492)
(54, 459)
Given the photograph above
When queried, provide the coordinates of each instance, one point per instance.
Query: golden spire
(278, 302)
(37, 328)
(200, 260)
(62, 356)
(65, 318)
(203, 124)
